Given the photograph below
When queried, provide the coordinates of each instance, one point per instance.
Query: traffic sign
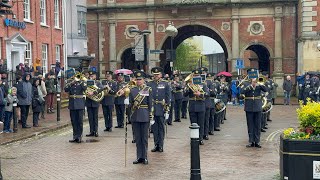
(139, 48)
(240, 64)
(156, 51)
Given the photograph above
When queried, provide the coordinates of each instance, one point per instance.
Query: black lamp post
(144, 33)
(172, 32)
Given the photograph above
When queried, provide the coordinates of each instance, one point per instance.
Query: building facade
(34, 31)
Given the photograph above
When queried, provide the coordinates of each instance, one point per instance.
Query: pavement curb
(45, 130)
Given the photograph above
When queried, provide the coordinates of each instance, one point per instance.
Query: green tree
(187, 56)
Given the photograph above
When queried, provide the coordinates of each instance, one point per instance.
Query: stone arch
(244, 48)
(124, 48)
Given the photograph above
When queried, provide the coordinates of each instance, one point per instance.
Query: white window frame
(44, 54)
(26, 10)
(43, 12)
(28, 53)
(82, 23)
(58, 53)
(56, 13)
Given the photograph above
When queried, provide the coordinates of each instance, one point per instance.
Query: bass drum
(219, 105)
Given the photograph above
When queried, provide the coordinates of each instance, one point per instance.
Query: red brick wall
(317, 18)
(34, 32)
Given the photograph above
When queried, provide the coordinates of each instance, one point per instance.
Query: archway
(184, 33)
(128, 60)
(259, 57)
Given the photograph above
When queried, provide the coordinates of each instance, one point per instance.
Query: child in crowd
(10, 100)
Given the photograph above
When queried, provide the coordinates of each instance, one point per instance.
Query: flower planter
(298, 159)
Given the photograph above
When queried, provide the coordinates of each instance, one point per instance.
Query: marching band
(147, 101)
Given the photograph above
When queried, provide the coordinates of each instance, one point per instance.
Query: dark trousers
(2, 110)
(141, 136)
(217, 120)
(120, 108)
(107, 113)
(198, 117)
(50, 100)
(35, 118)
(263, 119)
(7, 120)
(24, 114)
(93, 118)
(212, 120)
(184, 107)
(158, 130)
(268, 115)
(77, 122)
(171, 112)
(43, 105)
(177, 109)
(254, 126)
(206, 121)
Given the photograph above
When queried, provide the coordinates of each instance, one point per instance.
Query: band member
(224, 89)
(76, 106)
(161, 99)
(168, 81)
(213, 120)
(253, 108)
(177, 93)
(271, 85)
(108, 101)
(119, 101)
(184, 105)
(93, 106)
(197, 103)
(208, 103)
(140, 98)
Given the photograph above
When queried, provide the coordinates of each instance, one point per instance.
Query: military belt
(158, 102)
(77, 96)
(143, 106)
(253, 98)
(196, 99)
(178, 91)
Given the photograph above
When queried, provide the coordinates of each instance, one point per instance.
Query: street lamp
(172, 32)
(144, 33)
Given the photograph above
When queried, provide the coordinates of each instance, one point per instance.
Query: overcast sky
(210, 46)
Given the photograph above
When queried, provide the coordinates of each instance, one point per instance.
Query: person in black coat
(36, 104)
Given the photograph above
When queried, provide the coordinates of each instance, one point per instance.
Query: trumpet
(194, 87)
(126, 89)
(76, 78)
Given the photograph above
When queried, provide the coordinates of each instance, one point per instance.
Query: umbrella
(225, 74)
(124, 71)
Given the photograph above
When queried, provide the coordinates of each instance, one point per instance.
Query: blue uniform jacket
(108, 99)
(142, 114)
(209, 102)
(78, 88)
(199, 104)
(160, 96)
(253, 99)
(177, 90)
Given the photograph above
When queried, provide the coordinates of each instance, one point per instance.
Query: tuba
(95, 96)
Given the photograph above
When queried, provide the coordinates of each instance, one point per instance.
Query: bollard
(1, 178)
(14, 111)
(195, 171)
(58, 106)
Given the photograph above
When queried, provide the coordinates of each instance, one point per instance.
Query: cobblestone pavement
(224, 156)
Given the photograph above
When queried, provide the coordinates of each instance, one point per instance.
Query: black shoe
(133, 141)
(257, 145)
(211, 133)
(119, 127)
(137, 161)
(73, 140)
(222, 122)
(160, 149)
(96, 134)
(145, 161)
(184, 117)
(216, 129)
(42, 116)
(26, 126)
(201, 142)
(155, 149)
(250, 145)
(51, 110)
(265, 127)
(178, 120)
(91, 134)
(262, 130)
(129, 122)
(107, 129)
(169, 123)
(205, 137)
(269, 120)
(78, 140)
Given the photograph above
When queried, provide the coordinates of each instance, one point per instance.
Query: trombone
(243, 80)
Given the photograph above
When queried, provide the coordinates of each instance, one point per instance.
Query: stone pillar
(100, 49)
(235, 38)
(278, 74)
(112, 46)
(152, 57)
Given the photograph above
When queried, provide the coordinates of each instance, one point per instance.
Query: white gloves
(126, 101)
(166, 116)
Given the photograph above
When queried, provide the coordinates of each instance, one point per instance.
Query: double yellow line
(273, 135)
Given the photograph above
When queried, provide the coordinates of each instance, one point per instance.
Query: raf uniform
(184, 105)
(140, 98)
(213, 121)
(161, 99)
(93, 109)
(177, 93)
(119, 102)
(108, 102)
(224, 89)
(169, 120)
(76, 106)
(197, 106)
(253, 108)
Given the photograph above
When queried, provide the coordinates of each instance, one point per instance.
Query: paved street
(224, 156)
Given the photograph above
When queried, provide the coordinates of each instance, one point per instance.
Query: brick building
(33, 32)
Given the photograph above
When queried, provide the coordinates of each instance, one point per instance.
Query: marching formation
(150, 102)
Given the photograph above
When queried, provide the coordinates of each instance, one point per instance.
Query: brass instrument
(95, 96)
(77, 77)
(219, 105)
(194, 87)
(266, 106)
(243, 80)
(126, 89)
